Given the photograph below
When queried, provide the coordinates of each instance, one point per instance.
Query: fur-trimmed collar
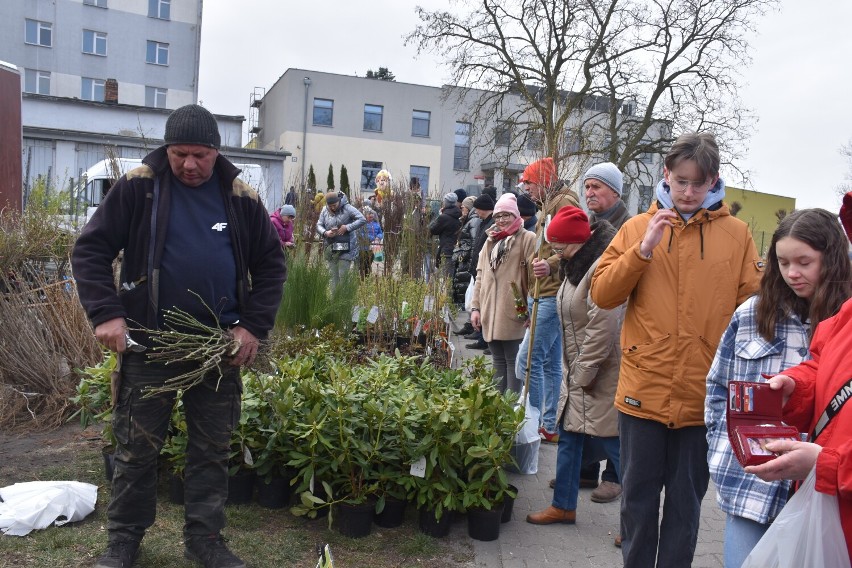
(576, 267)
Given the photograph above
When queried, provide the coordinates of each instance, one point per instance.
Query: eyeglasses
(558, 250)
(698, 187)
(503, 217)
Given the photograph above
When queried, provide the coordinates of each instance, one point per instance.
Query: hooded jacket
(591, 354)
(560, 196)
(446, 227)
(134, 217)
(679, 302)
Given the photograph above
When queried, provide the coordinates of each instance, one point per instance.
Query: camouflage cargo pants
(141, 424)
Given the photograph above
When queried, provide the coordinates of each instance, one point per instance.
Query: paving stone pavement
(586, 544)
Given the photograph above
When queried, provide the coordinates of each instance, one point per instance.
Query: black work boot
(211, 552)
(120, 553)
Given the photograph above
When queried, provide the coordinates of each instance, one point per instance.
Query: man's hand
(795, 461)
(475, 320)
(656, 227)
(540, 268)
(111, 334)
(248, 346)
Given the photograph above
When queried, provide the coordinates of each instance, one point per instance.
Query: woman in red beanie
(591, 356)
(501, 286)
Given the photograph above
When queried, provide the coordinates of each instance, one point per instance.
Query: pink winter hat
(507, 204)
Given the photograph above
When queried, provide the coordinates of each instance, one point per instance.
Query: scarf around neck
(504, 240)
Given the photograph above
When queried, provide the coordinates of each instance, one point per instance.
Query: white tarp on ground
(37, 504)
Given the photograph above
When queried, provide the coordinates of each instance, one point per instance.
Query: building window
(461, 150)
(646, 157)
(155, 97)
(94, 43)
(373, 117)
(420, 120)
(158, 53)
(503, 134)
(98, 3)
(535, 141)
(368, 174)
(160, 9)
(36, 82)
(38, 33)
(421, 174)
(93, 89)
(646, 194)
(323, 112)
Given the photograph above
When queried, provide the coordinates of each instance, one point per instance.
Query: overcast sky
(799, 84)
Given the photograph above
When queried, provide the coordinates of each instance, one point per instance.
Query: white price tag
(356, 314)
(452, 350)
(373, 316)
(418, 328)
(428, 303)
(418, 468)
(447, 318)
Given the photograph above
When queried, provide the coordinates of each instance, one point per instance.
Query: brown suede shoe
(552, 515)
(552, 484)
(618, 540)
(606, 492)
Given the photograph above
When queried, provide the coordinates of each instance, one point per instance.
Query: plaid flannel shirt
(742, 356)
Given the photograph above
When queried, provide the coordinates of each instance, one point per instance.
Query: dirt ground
(24, 455)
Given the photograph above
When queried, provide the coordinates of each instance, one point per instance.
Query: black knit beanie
(484, 203)
(526, 206)
(192, 124)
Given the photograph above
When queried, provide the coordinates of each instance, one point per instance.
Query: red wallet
(754, 418)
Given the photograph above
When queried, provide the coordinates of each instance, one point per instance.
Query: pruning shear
(132, 345)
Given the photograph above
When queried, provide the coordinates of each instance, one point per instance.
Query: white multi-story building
(414, 131)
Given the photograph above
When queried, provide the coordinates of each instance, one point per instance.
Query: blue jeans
(654, 457)
(569, 458)
(546, 364)
(741, 536)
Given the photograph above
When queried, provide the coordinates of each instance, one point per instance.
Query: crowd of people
(624, 332)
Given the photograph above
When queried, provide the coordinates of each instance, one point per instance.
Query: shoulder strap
(836, 402)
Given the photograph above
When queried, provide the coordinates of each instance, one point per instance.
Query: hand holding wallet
(754, 419)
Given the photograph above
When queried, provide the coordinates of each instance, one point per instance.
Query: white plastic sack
(527, 441)
(468, 294)
(37, 504)
(806, 533)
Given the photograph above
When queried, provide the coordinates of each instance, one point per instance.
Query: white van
(99, 178)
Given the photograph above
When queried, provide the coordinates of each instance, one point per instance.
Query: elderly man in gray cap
(193, 237)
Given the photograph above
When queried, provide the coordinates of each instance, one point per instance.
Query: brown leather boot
(552, 515)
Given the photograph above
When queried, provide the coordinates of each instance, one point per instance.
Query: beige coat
(492, 293)
(591, 353)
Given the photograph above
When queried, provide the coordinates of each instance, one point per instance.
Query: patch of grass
(264, 538)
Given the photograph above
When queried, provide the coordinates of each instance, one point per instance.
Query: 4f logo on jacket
(219, 226)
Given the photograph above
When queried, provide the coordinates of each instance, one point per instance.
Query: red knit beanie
(542, 172)
(846, 214)
(571, 225)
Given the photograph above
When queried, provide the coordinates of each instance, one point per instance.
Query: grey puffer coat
(591, 352)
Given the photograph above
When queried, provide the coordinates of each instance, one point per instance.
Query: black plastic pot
(483, 524)
(402, 341)
(175, 489)
(392, 515)
(274, 492)
(508, 505)
(431, 526)
(240, 487)
(108, 453)
(354, 521)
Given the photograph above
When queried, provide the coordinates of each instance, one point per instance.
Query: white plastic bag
(806, 533)
(468, 294)
(37, 504)
(527, 441)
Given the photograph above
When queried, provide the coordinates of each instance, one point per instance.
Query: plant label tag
(356, 314)
(452, 350)
(373, 316)
(418, 328)
(418, 468)
(247, 456)
(446, 314)
(428, 303)
(428, 350)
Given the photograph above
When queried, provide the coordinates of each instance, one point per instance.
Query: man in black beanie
(484, 208)
(193, 236)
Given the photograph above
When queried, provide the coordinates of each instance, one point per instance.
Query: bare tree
(599, 79)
